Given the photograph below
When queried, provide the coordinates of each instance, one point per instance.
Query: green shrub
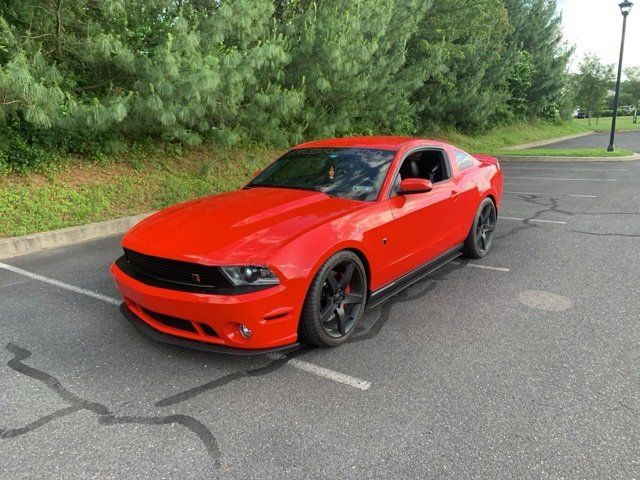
(23, 152)
(4, 165)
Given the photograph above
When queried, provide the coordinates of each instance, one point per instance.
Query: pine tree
(348, 58)
(29, 86)
(537, 30)
(462, 48)
(180, 70)
(75, 74)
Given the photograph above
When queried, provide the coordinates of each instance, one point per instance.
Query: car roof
(379, 142)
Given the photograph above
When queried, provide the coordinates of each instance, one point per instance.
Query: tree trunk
(58, 7)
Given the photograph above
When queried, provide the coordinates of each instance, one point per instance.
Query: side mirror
(409, 186)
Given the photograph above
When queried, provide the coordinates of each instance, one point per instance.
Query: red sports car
(328, 229)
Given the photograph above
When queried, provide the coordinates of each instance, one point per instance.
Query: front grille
(176, 272)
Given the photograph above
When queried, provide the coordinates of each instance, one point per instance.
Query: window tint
(464, 160)
(355, 173)
(427, 164)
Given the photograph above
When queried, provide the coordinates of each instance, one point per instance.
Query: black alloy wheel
(486, 227)
(482, 231)
(335, 302)
(341, 299)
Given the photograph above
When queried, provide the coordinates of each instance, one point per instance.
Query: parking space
(522, 364)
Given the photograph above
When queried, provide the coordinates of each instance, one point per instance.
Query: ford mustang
(328, 229)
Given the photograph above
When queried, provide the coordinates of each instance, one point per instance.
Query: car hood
(234, 227)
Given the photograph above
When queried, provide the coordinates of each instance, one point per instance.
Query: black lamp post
(625, 8)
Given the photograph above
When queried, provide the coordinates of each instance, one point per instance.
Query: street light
(625, 8)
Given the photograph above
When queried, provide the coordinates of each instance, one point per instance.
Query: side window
(428, 164)
(464, 160)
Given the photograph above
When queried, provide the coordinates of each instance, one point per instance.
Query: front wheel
(335, 302)
(480, 236)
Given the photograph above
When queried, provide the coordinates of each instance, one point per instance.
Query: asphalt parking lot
(525, 364)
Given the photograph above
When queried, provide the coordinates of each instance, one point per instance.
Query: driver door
(423, 225)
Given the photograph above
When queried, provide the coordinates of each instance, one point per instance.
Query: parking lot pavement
(522, 364)
(628, 140)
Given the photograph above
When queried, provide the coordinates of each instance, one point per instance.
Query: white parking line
(565, 179)
(57, 283)
(532, 220)
(487, 267)
(552, 194)
(294, 362)
(327, 373)
(484, 267)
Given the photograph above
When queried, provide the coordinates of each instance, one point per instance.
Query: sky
(595, 26)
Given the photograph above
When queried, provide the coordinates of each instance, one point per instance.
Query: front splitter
(158, 336)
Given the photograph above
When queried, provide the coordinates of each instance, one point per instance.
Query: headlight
(250, 275)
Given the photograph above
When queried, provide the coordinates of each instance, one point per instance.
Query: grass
(80, 192)
(604, 124)
(517, 134)
(575, 152)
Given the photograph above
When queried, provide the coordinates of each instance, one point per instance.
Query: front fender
(305, 255)
(361, 231)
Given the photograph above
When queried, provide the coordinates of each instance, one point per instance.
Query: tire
(334, 304)
(480, 238)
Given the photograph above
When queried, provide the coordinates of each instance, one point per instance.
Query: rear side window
(464, 160)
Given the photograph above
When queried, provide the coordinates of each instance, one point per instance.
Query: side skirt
(389, 290)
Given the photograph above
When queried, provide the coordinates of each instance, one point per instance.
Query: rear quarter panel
(475, 183)
(494, 175)
(487, 177)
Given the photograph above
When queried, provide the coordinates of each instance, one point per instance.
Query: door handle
(455, 193)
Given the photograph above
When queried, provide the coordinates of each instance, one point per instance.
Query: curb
(36, 242)
(522, 158)
(549, 141)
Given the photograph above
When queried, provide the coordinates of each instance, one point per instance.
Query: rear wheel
(335, 302)
(482, 231)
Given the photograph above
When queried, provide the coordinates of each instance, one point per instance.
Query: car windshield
(355, 173)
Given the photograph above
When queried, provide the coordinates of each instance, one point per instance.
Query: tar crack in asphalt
(105, 416)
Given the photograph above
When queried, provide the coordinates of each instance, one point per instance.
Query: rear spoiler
(487, 159)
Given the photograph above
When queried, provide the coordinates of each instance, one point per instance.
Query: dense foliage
(91, 76)
(537, 30)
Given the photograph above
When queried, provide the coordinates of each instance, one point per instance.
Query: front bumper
(158, 336)
(210, 322)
